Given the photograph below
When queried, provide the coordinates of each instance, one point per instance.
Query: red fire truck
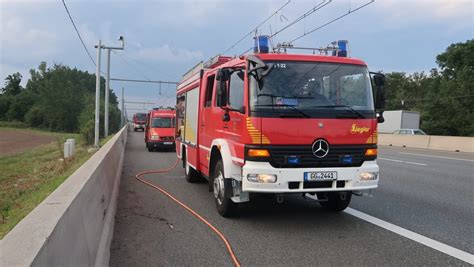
(281, 123)
(159, 129)
(139, 120)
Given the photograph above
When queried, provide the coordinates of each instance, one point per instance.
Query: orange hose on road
(213, 228)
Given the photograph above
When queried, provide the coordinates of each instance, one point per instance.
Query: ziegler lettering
(356, 129)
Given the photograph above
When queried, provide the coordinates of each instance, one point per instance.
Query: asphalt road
(430, 196)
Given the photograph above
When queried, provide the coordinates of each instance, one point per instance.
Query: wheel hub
(219, 188)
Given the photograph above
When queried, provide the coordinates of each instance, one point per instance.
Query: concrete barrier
(449, 143)
(453, 143)
(74, 225)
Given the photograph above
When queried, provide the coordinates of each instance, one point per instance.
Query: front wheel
(150, 148)
(336, 201)
(225, 206)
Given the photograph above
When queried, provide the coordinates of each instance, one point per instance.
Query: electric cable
(78, 34)
(255, 28)
(305, 15)
(187, 208)
(333, 20)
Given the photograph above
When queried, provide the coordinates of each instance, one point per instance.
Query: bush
(34, 117)
(87, 130)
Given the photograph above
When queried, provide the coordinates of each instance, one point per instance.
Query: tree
(12, 84)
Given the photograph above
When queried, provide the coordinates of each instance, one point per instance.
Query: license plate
(167, 143)
(320, 176)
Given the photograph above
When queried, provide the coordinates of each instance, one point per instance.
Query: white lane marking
(416, 163)
(394, 160)
(451, 251)
(401, 161)
(440, 157)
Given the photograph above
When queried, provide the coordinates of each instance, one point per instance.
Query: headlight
(155, 137)
(368, 176)
(261, 178)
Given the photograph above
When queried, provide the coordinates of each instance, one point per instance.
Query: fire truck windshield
(312, 89)
(141, 116)
(162, 122)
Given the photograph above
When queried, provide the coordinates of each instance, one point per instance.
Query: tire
(225, 206)
(192, 176)
(336, 201)
(150, 148)
(134, 129)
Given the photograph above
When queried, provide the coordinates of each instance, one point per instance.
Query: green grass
(28, 178)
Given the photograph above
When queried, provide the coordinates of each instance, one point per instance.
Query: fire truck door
(206, 122)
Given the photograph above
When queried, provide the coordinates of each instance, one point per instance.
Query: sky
(164, 39)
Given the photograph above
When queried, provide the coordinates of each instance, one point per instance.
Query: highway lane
(152, 230)
(434, 199)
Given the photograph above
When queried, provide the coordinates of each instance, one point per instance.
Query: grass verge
(28, 178)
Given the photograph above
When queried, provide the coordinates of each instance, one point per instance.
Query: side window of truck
(209, 87)
(236, 90)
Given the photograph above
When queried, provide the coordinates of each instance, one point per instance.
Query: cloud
(165, 53)
(409, 11)
(27, 40)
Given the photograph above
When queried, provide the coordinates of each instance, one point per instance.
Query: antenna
(331, 21)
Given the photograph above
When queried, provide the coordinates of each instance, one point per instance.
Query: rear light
(258, 153)
(371, 152)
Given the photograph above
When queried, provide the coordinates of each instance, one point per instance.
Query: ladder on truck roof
(211, 63)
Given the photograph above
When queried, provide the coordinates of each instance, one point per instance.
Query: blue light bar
(342, 46)
(261, 44)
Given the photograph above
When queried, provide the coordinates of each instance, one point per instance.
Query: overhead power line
(256, 27)
(142, 81)
(305, 15)
(333, 20)
(78, 34)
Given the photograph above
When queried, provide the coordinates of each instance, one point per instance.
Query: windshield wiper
(348, 108)
(291, 107)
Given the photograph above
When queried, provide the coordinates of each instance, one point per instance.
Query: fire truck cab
(160, 129)
(280, 123)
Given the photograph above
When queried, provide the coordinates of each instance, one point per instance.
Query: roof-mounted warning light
(261, 44)
(342, 46)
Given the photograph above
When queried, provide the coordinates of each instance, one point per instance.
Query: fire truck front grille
(301, 156)
(167, 138)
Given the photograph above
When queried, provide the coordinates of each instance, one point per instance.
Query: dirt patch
(14, 142)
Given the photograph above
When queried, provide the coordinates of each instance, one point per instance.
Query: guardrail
(449, 143)
(74, 225)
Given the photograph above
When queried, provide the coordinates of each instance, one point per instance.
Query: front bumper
(348, 178)
(161, 143)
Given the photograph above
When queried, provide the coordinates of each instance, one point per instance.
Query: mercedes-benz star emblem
(320, 148)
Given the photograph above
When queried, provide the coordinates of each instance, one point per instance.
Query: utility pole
(107, 84)
(97, 95)
(122, 120)
(107, 89)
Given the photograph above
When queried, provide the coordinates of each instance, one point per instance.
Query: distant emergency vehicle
(160, 129)
(281, 123)
(139, 120)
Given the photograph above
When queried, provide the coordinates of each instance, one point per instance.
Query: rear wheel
(225, 206)
(192, 176)
(336, 201)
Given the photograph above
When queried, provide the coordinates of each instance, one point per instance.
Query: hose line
(163, 191)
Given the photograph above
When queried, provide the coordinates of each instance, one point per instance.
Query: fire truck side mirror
(379, 81)
(221, 94)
